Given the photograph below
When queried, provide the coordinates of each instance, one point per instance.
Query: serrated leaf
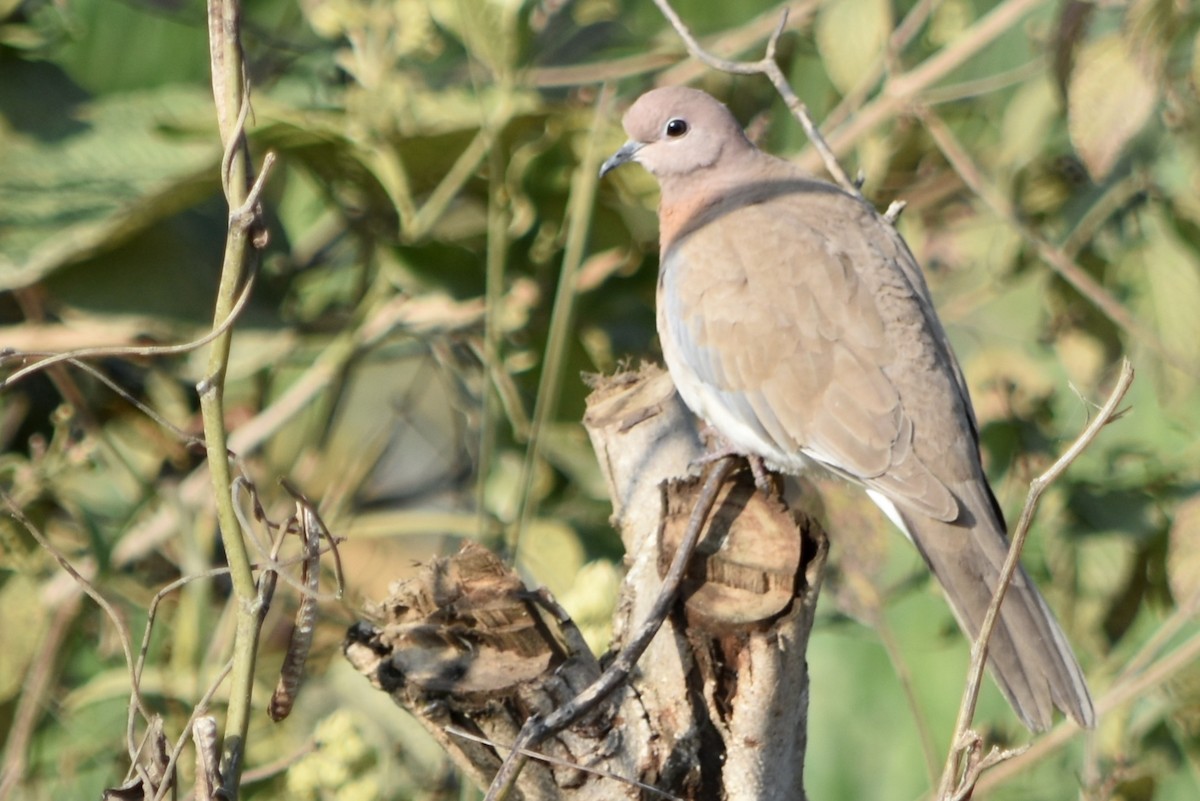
(851, 34)
(1109, 99)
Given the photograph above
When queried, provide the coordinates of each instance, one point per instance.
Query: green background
(440, 250)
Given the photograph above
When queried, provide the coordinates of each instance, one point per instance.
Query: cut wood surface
(718, 705)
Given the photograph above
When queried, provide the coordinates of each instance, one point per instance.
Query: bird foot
(719, 448)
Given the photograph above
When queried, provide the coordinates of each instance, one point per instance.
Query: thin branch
(580, 202)
(885, 62)
(551, 760)
(904, 675)
(198, 711)
(140, 665)
(536, 729)
(32, 700)
(1054, 256)
(123, 633)
(244, 238)
(75, 356)
(900, 91)
(769, 67)
(739, 39)
(979, 650)
(1183, 657)
(979, 764)
(1116, 197)
(1144, 658)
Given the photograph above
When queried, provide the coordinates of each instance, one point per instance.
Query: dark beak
(622, 156)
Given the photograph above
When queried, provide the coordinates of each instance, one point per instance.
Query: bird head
(676, 131)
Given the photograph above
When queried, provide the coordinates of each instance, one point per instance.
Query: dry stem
(766, 66)
(951, 787)
(536, 729)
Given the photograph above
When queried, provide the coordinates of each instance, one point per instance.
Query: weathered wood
(718, 705)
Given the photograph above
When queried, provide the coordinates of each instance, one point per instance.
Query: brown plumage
(796, 322)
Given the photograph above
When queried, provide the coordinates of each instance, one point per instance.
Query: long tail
(1028, 653)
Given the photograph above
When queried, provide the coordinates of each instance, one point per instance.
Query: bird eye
(676, 128)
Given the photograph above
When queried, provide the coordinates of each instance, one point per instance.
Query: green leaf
(487, 29)
(1030, 119)
(22, 619)
(1172, 268)
(1183, 551)
(1110, 99)
(74, 187)
(851, 34)
(1196, 61)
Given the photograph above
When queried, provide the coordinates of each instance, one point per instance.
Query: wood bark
(717, 708)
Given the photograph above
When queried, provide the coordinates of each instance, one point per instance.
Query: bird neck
(688, 197)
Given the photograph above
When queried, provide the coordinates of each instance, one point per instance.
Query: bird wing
(796, 321)
(790, 323)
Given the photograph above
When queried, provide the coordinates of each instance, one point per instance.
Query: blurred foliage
(425, 306)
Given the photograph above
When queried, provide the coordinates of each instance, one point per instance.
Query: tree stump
(717, 708)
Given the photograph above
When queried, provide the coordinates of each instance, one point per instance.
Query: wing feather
(786, 340)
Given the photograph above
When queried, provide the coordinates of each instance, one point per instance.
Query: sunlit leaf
(487, 28)
(1172, 272)
(552, 553)
(590, 601)
(1028, 119)
(851, 35)
(1183, 556)
(1196, 62)
(1110, 98)
(22, 619)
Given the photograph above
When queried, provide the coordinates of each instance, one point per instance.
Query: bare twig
(738, 39)
(1122, 692)
(1055, 257)
(769, 67)
(978, 763)
(31, 702)
(140, 665)
(887, 61)
(76, 356)
(904, 675)
(953, 767)
(901, 90)
(466, 735)
(579, 215)
(123, 632)
(198, 711)
(231, 94)
(536, 729)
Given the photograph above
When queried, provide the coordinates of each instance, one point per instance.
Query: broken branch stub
(464, 644)
(718, 704)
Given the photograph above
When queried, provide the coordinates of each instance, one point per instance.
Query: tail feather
(1028, 652)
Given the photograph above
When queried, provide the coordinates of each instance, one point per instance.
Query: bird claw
(763, 478)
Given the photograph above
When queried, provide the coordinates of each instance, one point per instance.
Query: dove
(795, 321)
